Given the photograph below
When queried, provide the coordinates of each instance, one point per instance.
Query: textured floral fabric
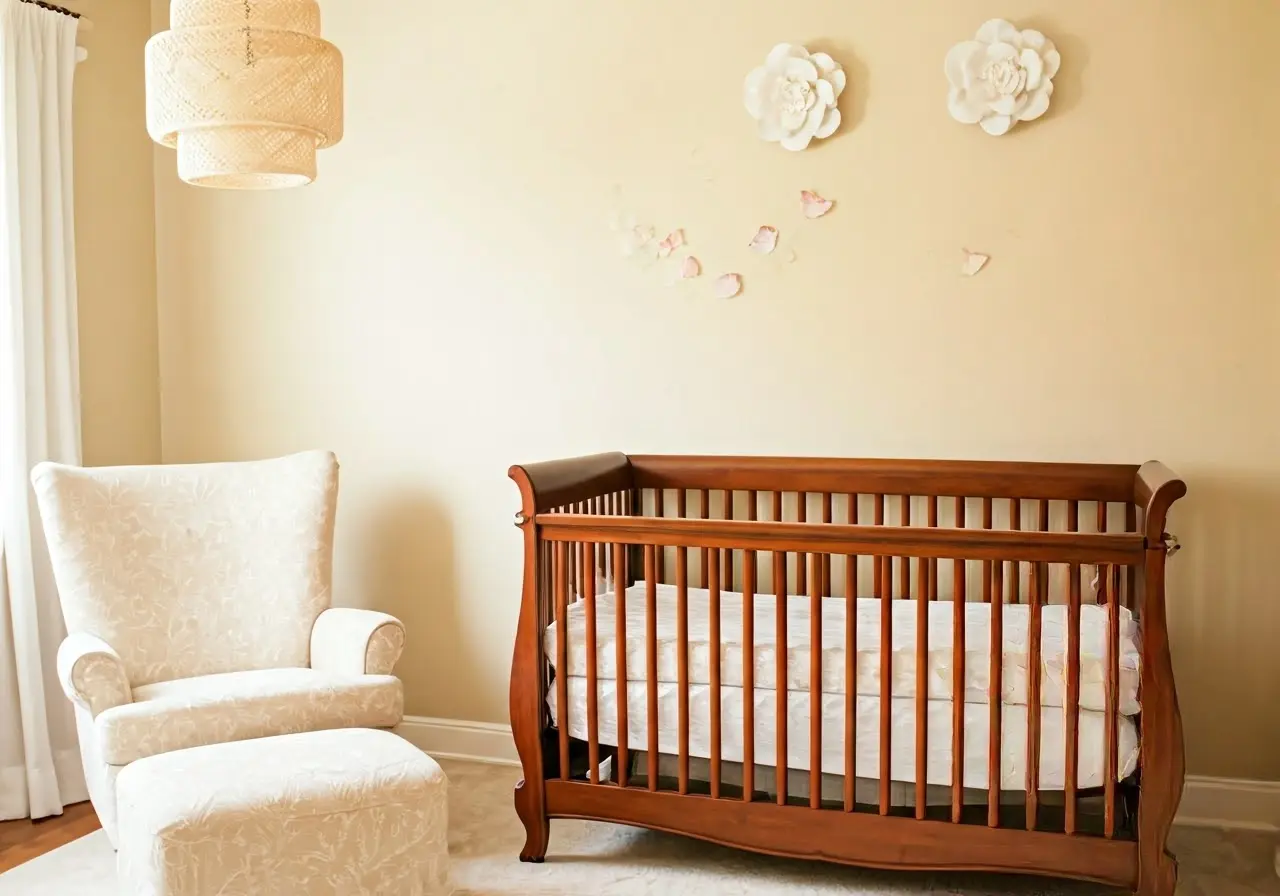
(192, 712)
(92, 674)
(352, 641)
(335, 812)
(190, 570)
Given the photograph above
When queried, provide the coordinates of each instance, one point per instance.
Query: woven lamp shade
(245, 90)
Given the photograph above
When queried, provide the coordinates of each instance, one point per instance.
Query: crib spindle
(622, 692)
(562, 654)
(986, 564)
(826, 558)
(904, 519)
(886, 680)
(922, 687)
(995, 693)
(1036, 595)
(1073, 690)
(1113, 698)
(704, 513)
(715, 673)
(815, 680)
(593, 697)
(748, 670)
(651, 658)
(780, 688)
(682, 665)
(1131, 575)
(959, 616)
(850, 664)
(726, 578)
(933, 563)
(1015, 566)
(659, 511)
(802, 559)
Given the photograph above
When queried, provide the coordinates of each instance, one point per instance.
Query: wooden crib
(796, 656)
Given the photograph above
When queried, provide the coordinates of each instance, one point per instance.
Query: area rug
(586, 858)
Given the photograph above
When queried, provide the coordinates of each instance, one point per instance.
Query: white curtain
(39, 399)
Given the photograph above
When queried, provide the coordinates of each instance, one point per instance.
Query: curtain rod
(52, 8)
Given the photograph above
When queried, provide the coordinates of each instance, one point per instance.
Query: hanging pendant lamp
(245, 90)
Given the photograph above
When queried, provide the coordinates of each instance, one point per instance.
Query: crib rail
(675, 540)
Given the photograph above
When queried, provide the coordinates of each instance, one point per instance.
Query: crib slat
(651, 658)
(748, 671)
(986, 564)
(933, 563)
(1131, 574)
(682, 665)
(995, 694)
(886, 681)
(904, 519)
(599, 550)
(802, 560)
(620, 679)
(593, 697)
(922, 688)
(1113, 698)
(780, 683)
(562, 654)
(1036, 596)
(777, 507)
(1073, 692)
(659, 511)
(958, 609)
(715, 673)
(850, 664)
(704, 513)
(726, 578)
(826, 558)
(815, 681)
(1015, 566)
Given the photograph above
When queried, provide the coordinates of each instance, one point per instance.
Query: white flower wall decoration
(793, 96)
(1001, 77)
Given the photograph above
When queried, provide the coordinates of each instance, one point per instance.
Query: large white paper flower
(1002, 76)
(793, 96)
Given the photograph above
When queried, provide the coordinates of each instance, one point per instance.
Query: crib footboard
(893, 664)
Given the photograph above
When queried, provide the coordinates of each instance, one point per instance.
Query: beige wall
(115, 241)
(447, 299)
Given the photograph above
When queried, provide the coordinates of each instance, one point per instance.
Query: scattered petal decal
(728, 285)
(973, 262)
(814, 205)
(765, 240)
(673, 241)
(690, 268)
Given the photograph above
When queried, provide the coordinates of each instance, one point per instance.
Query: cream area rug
(586, 859)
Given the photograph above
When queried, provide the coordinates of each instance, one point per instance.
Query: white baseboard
(453, 739)
(1230, 803)
(1206, 802)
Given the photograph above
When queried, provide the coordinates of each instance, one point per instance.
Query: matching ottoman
(346, 812)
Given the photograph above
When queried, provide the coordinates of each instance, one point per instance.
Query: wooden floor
(22, 841)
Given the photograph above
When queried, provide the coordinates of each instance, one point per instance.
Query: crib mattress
(1013, 739)
(977, 651)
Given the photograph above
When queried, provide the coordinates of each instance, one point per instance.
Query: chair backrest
(194, 569)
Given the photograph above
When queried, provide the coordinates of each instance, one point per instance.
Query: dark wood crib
(890, 663)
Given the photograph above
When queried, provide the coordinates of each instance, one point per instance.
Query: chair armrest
(92, 674)
(356, 642)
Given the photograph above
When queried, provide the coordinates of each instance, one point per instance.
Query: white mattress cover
(1013, 737)
(1016, 638)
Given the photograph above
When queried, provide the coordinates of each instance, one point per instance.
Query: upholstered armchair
(196, 599)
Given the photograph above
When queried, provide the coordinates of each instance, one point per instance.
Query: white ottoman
(345, 812)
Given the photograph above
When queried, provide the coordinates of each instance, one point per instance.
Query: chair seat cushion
(234, 706)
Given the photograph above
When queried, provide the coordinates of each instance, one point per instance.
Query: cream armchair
(197, 599)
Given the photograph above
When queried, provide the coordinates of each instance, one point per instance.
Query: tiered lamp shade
(245, 90)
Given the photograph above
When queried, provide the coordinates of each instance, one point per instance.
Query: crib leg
(531, 806)
(1158, 877)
